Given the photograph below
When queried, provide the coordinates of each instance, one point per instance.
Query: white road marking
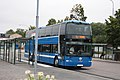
(39, 64)
(44, 65)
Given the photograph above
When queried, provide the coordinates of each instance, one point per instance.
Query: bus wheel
(56, 62)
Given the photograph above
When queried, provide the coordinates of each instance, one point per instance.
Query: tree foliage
(98, 30)
(51, 22)
(67, 18)
(79, 12)
(31, 27)
(78, 15)
(59, 21)
(21, 32)
(10, 32)
(18, 31)
(113, 29)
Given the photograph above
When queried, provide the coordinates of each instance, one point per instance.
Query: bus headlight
(68, 61)
(80, 59)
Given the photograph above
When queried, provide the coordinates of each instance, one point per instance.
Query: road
(103, 69)
(98, 71)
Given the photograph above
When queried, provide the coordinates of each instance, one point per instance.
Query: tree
(99, 34)
(31, 27)
(51, 22)
(59, 21)
(21, 32)
(113, 29)
(79, 12)
(66, 18)
(10, 32)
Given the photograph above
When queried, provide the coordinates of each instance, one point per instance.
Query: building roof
(15, 35)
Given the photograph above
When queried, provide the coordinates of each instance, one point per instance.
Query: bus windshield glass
(78, 29)
(79, 50)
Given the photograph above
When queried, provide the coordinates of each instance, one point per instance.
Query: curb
(108, 61)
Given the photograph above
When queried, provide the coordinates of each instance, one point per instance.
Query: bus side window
(54, 48)
(46, 48)
(39, 48)
(62, 49)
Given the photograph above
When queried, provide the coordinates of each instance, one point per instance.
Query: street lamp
(113, 57)
(112, 7)
(36, 39)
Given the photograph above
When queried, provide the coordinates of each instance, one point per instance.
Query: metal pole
(6, 50)
(20, 52)
(11, 43)
(0, 49)
(112, 7)
(14, 50)
(9, 51)
(113, 15)
(29, 51)
(33, 55)
(59, 40)
(36, 39)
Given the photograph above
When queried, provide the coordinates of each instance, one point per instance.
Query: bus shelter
(99, 49)
(11, 49)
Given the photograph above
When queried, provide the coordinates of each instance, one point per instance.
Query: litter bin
(117, 55)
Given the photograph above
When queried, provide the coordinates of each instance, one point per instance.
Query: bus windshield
(79, 50)
(79, 29)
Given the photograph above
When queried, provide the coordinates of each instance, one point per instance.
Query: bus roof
(76, 21)
(68, 21)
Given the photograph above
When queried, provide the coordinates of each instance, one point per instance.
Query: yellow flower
(40, 74)
(32, 75)
(25, 79)
(27, 72)
(52, 77)
(47, 76)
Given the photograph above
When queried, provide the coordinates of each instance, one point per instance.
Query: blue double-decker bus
(67, 44)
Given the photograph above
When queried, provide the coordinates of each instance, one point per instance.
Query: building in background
(2, 35)
(15, 35)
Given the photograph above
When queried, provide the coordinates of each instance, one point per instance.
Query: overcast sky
(21, 13)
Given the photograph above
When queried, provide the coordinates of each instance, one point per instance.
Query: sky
(22, 13)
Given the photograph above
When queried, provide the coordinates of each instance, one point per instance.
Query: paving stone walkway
(10, 71)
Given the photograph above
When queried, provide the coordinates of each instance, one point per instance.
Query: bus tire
(56, 62)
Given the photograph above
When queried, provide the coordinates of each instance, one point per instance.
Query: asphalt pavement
(10, 71)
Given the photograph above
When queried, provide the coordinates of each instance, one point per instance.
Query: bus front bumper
(78, 64)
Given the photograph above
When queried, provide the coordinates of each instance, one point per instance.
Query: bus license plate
(80, 65)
